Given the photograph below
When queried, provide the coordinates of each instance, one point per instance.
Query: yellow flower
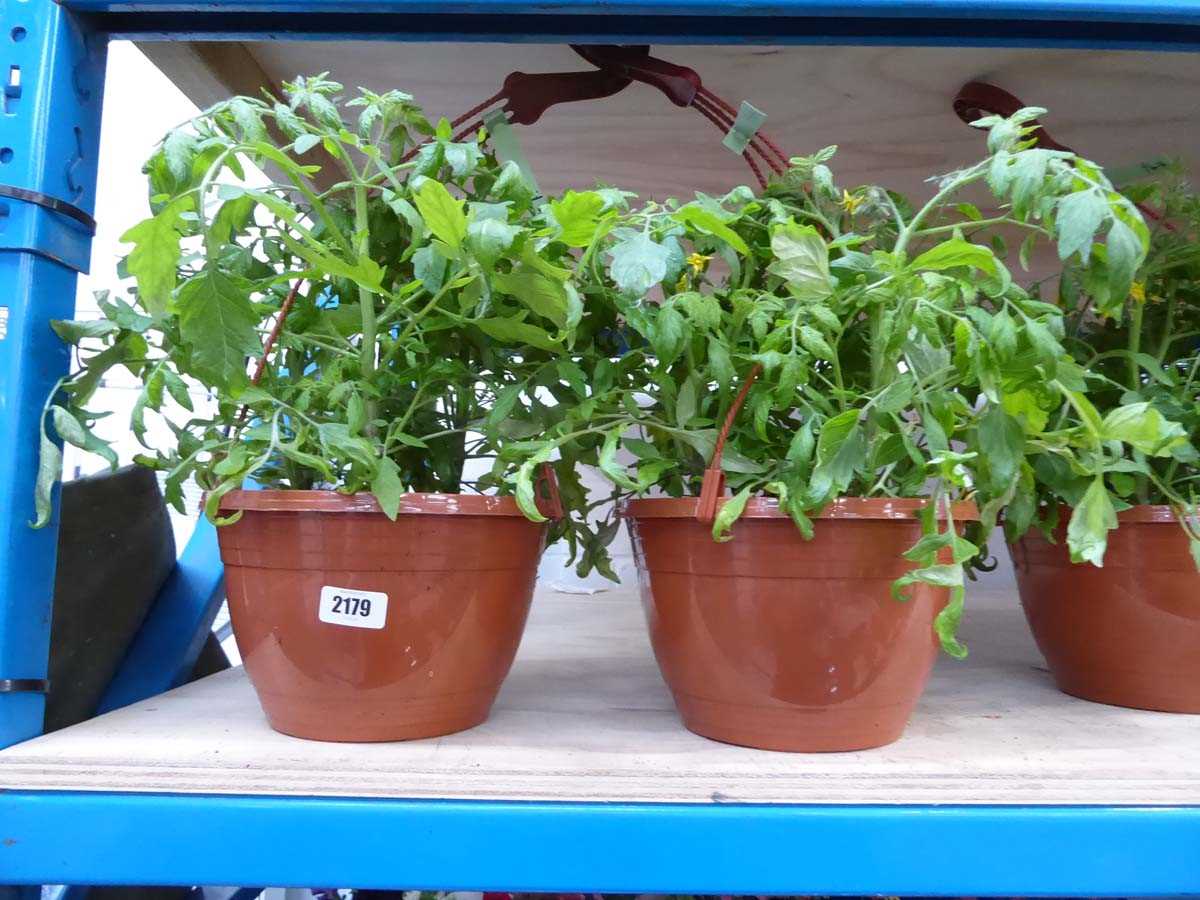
(698, 261)
(1137, 291)
(850, 203)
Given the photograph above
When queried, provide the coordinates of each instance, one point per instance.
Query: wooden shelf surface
(585, 716)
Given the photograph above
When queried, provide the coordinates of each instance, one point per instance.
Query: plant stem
(366, 299)
(1135, 344)
(910, 230)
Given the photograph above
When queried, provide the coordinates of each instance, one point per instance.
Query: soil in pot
(775, 642)
(353, 627)
(1127, 634)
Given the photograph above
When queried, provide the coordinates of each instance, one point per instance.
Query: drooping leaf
(728, 513)
(50, 461)
(1091, 521)
(388, 487)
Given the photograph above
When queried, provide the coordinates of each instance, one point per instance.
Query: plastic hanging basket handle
(525, 97)
(713, 486)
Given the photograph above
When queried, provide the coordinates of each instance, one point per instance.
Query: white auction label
(358, 609)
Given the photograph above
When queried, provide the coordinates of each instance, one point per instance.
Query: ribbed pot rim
(902, 508)
(334, 502)
(1145, 514)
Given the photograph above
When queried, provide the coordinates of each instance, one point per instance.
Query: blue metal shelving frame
(1152, 24)
(49, 129)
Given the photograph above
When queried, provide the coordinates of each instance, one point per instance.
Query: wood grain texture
(888, 108)
(585, 716)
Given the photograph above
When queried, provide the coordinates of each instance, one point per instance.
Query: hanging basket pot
(354, 627)
(775, 642)
(1127, 634)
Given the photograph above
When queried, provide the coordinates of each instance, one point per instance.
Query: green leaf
(179, 149)
(730, 511)
(802, 260)
(957, 253)
(703, 309)
(388, 488)
(506, 401)
(800, 449)
(719, 362)
(945, 626)
(1023, 405)
(443, 214)
(687, 401)
(525, 495)
(337, 441)
(638, 263)
(518, 333)
(841, 448)
(155, 255)
(1091, 521)
(1078, 217)
(73, 431)
(1142, 426)
(544, 295)
(429, 267)
(75, 331)
(668, 334)
(356, 413)
(707, 222)
(48, 474)
(609, 465)
(304, 143)
(1002, 444)
(489, 238)
(1125, 254)
(814, 342)
(577, 215)
(218, 321)
(897, 396)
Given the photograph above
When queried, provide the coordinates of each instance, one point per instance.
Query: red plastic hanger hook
(679, 83)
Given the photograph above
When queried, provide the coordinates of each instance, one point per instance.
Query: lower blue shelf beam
(662, 848)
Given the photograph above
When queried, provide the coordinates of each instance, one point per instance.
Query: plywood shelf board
(888, 108)
(585, 716)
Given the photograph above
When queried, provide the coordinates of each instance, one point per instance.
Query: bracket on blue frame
(32, 227)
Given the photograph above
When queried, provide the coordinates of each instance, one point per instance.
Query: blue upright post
(53, 78)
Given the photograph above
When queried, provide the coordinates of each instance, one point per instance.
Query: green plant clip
(749, 120)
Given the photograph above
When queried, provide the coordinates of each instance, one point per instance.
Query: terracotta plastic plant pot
(775, 642)
(356, 628)
(1127, 634)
